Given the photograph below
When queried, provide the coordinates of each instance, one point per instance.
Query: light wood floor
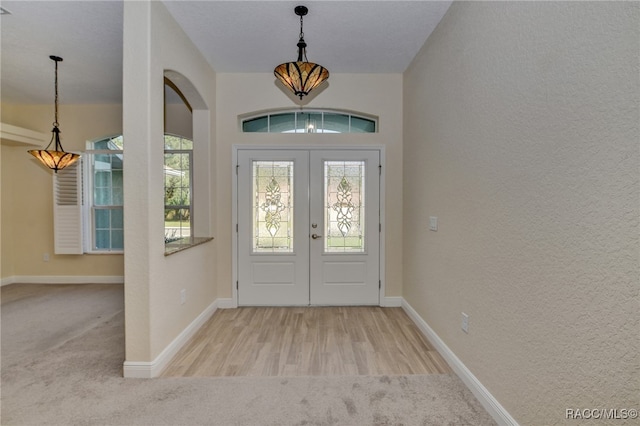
(307, 341)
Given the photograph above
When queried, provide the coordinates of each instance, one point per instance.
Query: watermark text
(601, 413)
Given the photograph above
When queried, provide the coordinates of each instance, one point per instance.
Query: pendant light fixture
(56, 159)
(301, 76)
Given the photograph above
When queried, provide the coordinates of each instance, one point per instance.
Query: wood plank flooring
(307, 341)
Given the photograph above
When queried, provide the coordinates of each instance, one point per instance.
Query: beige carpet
(62, 354)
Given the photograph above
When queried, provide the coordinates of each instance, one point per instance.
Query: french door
(308, 227)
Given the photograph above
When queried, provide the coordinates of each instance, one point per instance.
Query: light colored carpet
(62, 354)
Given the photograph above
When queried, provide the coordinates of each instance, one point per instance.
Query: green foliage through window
(178, 161)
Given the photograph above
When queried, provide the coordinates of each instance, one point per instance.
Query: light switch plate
(433, 223)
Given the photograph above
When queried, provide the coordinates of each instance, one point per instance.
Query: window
(309, 122)
(103, 193)
(104, 196)
(178, 163)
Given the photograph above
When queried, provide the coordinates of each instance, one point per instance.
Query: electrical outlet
(45, 257)
(183, 296)
(465, 322)
(433, 223)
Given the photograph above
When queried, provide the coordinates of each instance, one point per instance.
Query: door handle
(316, 236)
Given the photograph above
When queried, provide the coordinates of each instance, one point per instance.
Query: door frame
(234, 204)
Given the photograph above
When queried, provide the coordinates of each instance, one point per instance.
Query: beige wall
(6, 217)
(27, 194)
(153, 44)
(521, 136)
(376, 94)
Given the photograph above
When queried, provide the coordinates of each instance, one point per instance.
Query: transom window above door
(316, 121)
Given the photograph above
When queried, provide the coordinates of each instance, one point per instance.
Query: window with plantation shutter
(67, 210)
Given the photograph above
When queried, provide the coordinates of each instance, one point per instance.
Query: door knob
(316, 236)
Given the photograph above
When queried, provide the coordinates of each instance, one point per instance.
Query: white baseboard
(7, 281)
(227, 303)
(149, 370)
(493, 407)
(62, 279)
(391, 302)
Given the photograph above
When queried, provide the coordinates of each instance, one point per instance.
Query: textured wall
(521, 135)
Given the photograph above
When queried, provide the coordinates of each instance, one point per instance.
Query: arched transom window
(316, 121)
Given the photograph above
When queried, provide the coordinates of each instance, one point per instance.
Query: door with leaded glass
(273, 219)
(345, 220)
(308, 227)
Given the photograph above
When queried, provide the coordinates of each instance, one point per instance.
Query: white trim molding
(19, 136)
(63, 279)
(391, 302)
(227, 303)
(493, 407)
(7, 281)
(149, 370)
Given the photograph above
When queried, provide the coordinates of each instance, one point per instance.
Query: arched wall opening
(183, 100)
(166, 295)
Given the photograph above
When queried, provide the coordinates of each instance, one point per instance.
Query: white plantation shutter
(67, 210)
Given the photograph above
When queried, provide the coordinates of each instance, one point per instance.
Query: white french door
(308, 227)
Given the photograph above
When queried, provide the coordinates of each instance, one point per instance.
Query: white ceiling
(234, 36)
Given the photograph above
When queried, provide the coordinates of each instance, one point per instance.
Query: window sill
(183, 244)
(103, 252)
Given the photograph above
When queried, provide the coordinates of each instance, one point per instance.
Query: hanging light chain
(301, 32)
(56, 59)
(302, 45)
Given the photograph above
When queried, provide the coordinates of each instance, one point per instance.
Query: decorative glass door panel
(344, 200)
(273, 207)
(273, 218)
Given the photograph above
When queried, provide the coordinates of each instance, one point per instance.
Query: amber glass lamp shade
(301, 77)
(56, 159)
